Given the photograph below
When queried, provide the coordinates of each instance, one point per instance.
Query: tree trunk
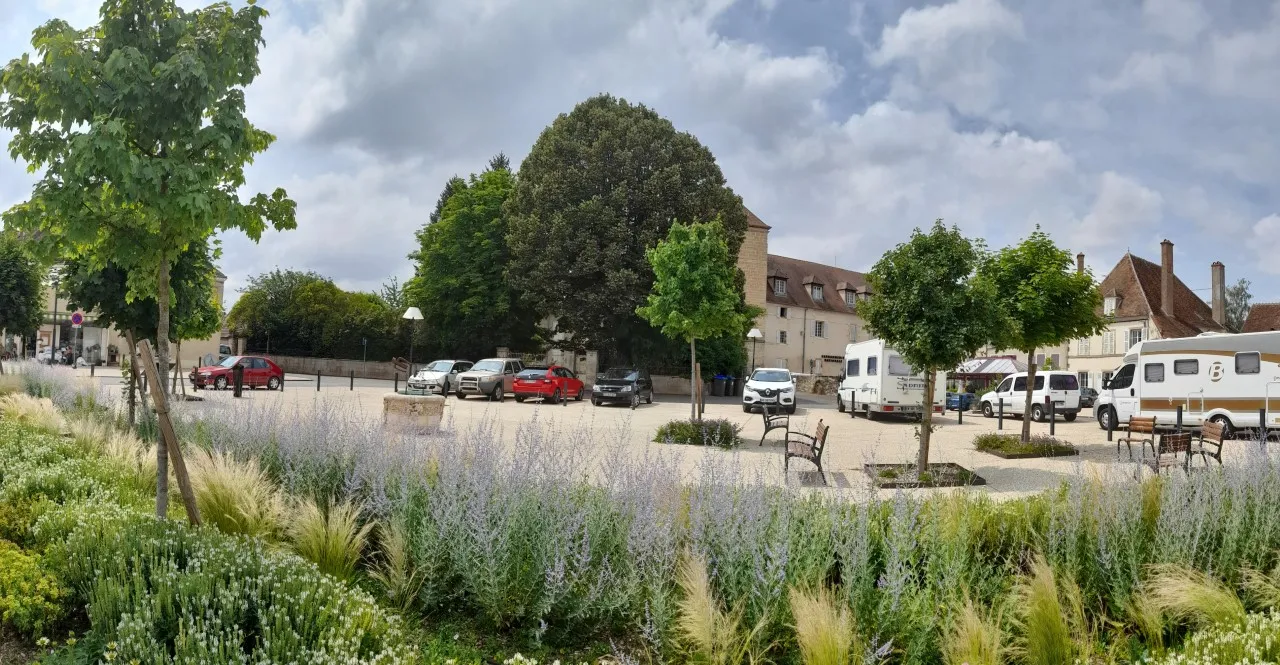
(926, 421)
(1031, 387)
(133, 377)
(162, 321)
(693, 379)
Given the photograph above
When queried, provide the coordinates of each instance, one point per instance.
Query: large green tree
(138, 126)
(460, 286)
(695, 293)
(21, 290)
(927, 305)
(601, 185)
(1044, 299)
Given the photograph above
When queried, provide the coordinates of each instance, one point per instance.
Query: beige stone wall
(412, 412)
(1091, 359)
(754, 262)
(802, 346)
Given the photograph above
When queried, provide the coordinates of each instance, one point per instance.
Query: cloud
(1122, 210)
(1179, 20)
(1265, 243)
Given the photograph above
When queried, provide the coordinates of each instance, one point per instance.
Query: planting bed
(941, 474)
(1010, 446)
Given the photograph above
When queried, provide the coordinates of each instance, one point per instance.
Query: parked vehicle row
(259, 372)
(495, 378)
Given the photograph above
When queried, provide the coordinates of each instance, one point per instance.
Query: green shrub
(1011, 444)
(718, 432)
(235, 496)
(31, 600)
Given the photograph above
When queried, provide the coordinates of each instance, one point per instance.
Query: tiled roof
(1136, 281)
(997, 365)
(801, 273)
(754, 222)
(1263, 316)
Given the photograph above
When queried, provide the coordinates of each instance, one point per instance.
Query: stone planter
(412, 412)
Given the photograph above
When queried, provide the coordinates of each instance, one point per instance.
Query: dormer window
(779, 286)
(850, 298)
(1109, 305)
(815, 291)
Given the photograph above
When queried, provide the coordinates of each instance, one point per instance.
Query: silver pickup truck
(492, 377)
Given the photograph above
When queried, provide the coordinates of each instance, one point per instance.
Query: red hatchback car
(550, 383)
(258, 372)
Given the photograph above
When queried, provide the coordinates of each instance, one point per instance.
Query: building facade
(809, 308)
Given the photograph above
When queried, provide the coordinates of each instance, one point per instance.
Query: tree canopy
(695, 292)
(1236, 304)
(21, 289)
(601, 185)
(460, 284)
(927, 305)
(1044, 299)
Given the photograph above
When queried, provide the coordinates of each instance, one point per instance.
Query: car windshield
(439, 366)
(229, 361)
(487, 366)
(534, 373)
(621, 374)
(771, 375)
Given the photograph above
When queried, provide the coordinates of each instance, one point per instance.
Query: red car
(550, 383)
(258, 372)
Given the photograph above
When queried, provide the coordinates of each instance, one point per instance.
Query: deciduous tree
(1237, 303)
(21, 290)
(695, 295)
(927, 305)
(600, 186)
(1044, 299)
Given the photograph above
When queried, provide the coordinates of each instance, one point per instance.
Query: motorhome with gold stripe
(1215, 377)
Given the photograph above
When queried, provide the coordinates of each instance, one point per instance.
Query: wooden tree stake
(167, 432)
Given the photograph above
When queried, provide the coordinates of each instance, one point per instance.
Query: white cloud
(951, 49)
(1122, 210)
(1266, 244)
(1152, 72)
(1180, 20)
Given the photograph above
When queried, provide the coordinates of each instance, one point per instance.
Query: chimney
(1166, 277)
(1080, 263)
(1219, 272)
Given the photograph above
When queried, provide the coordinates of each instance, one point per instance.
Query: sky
(842, 124)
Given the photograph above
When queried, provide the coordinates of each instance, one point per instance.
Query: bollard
(1262, 425)
(237, 374)
(960, 415)
(1053, 415)
(317, 380)
(1178, 419)
(1111, 424)
(396, 386)
(353, 379)
(91, 366)
(1000, 415)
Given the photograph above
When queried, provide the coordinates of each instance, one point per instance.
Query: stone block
(412, 412)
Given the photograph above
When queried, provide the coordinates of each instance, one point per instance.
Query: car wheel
(1069, 416)
(520, 399)
(555, 397)
(648, 398)
(987, 411)
(595, 402)
(578, 397)
(1106, 417)
(220, 383)
(1037, 413)
(746, 408)
(839, 403)
(1227, 429)
(791, 410)
(273, 383)
(460, 395)
(635, 400)
(497, 393)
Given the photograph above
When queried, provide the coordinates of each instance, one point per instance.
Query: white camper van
(877, 380)
(1221, 378)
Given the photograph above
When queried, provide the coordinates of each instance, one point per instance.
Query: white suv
(770, 385)
(1064, 392)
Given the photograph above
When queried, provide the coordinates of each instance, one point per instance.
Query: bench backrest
(1214, 432)
(1142, 424)
(1175, 443)
(820, 438)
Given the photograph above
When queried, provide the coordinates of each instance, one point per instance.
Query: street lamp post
(755, 336)
(413, 314)
(53, 345)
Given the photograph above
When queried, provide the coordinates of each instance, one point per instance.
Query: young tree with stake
(927, 306)
(1046, 301)
(694, 291)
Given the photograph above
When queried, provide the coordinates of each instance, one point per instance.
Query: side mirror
(1106, 384)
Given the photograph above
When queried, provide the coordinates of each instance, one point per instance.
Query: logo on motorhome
(1215, 372)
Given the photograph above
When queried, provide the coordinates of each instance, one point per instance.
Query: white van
(1222, 378)
(877, 380)
(1063, 390)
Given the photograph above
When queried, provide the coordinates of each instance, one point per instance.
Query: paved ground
(853, 442)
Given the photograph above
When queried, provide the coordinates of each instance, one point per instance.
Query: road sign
(77, 319)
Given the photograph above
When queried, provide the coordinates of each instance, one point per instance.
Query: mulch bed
(942, 474)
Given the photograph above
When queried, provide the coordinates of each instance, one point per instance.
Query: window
(1063, 382)
(782, 312)
(1083, 378)
(779, 286)
(259, 363)
(871, 366)
(1123, 378)
(819, 328)
(1153, 372)
(1248, 363)
(899, 367)
(853, 333)
(782, 337)
(1039, 360)
(815, 290)
(850, 297)
(1004, 386)
(1106, 376)
(1108, 342)
(1109, 305)
(1020, 384)
(1053, 361)
(1135, 336)
(1186, 367)
(1082, 346)
(851, 368)
(1039, 382)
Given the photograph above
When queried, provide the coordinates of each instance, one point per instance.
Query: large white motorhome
(1221, 378)
(877, 380)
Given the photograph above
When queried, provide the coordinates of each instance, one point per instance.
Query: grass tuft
(824, 628)
(395, 572)
(333, 540)
(235, 496)
(1192, 596)
(715, 636)
(973, 639)
(37, 413)
(1050, 620)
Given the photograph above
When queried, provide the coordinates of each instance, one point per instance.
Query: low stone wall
(817, 385)
(412, 412)
(336, 367)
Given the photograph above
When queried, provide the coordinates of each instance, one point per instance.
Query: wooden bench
(773, 421)
(1142, 431)
(1209, 442)
(1172, 449)
(805, 447)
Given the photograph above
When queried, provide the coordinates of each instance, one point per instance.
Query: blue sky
(843, 124)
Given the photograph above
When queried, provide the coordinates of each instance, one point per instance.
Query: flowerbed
(1010, 446)
(708, 432)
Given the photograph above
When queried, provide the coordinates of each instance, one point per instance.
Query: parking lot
(852, 442)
